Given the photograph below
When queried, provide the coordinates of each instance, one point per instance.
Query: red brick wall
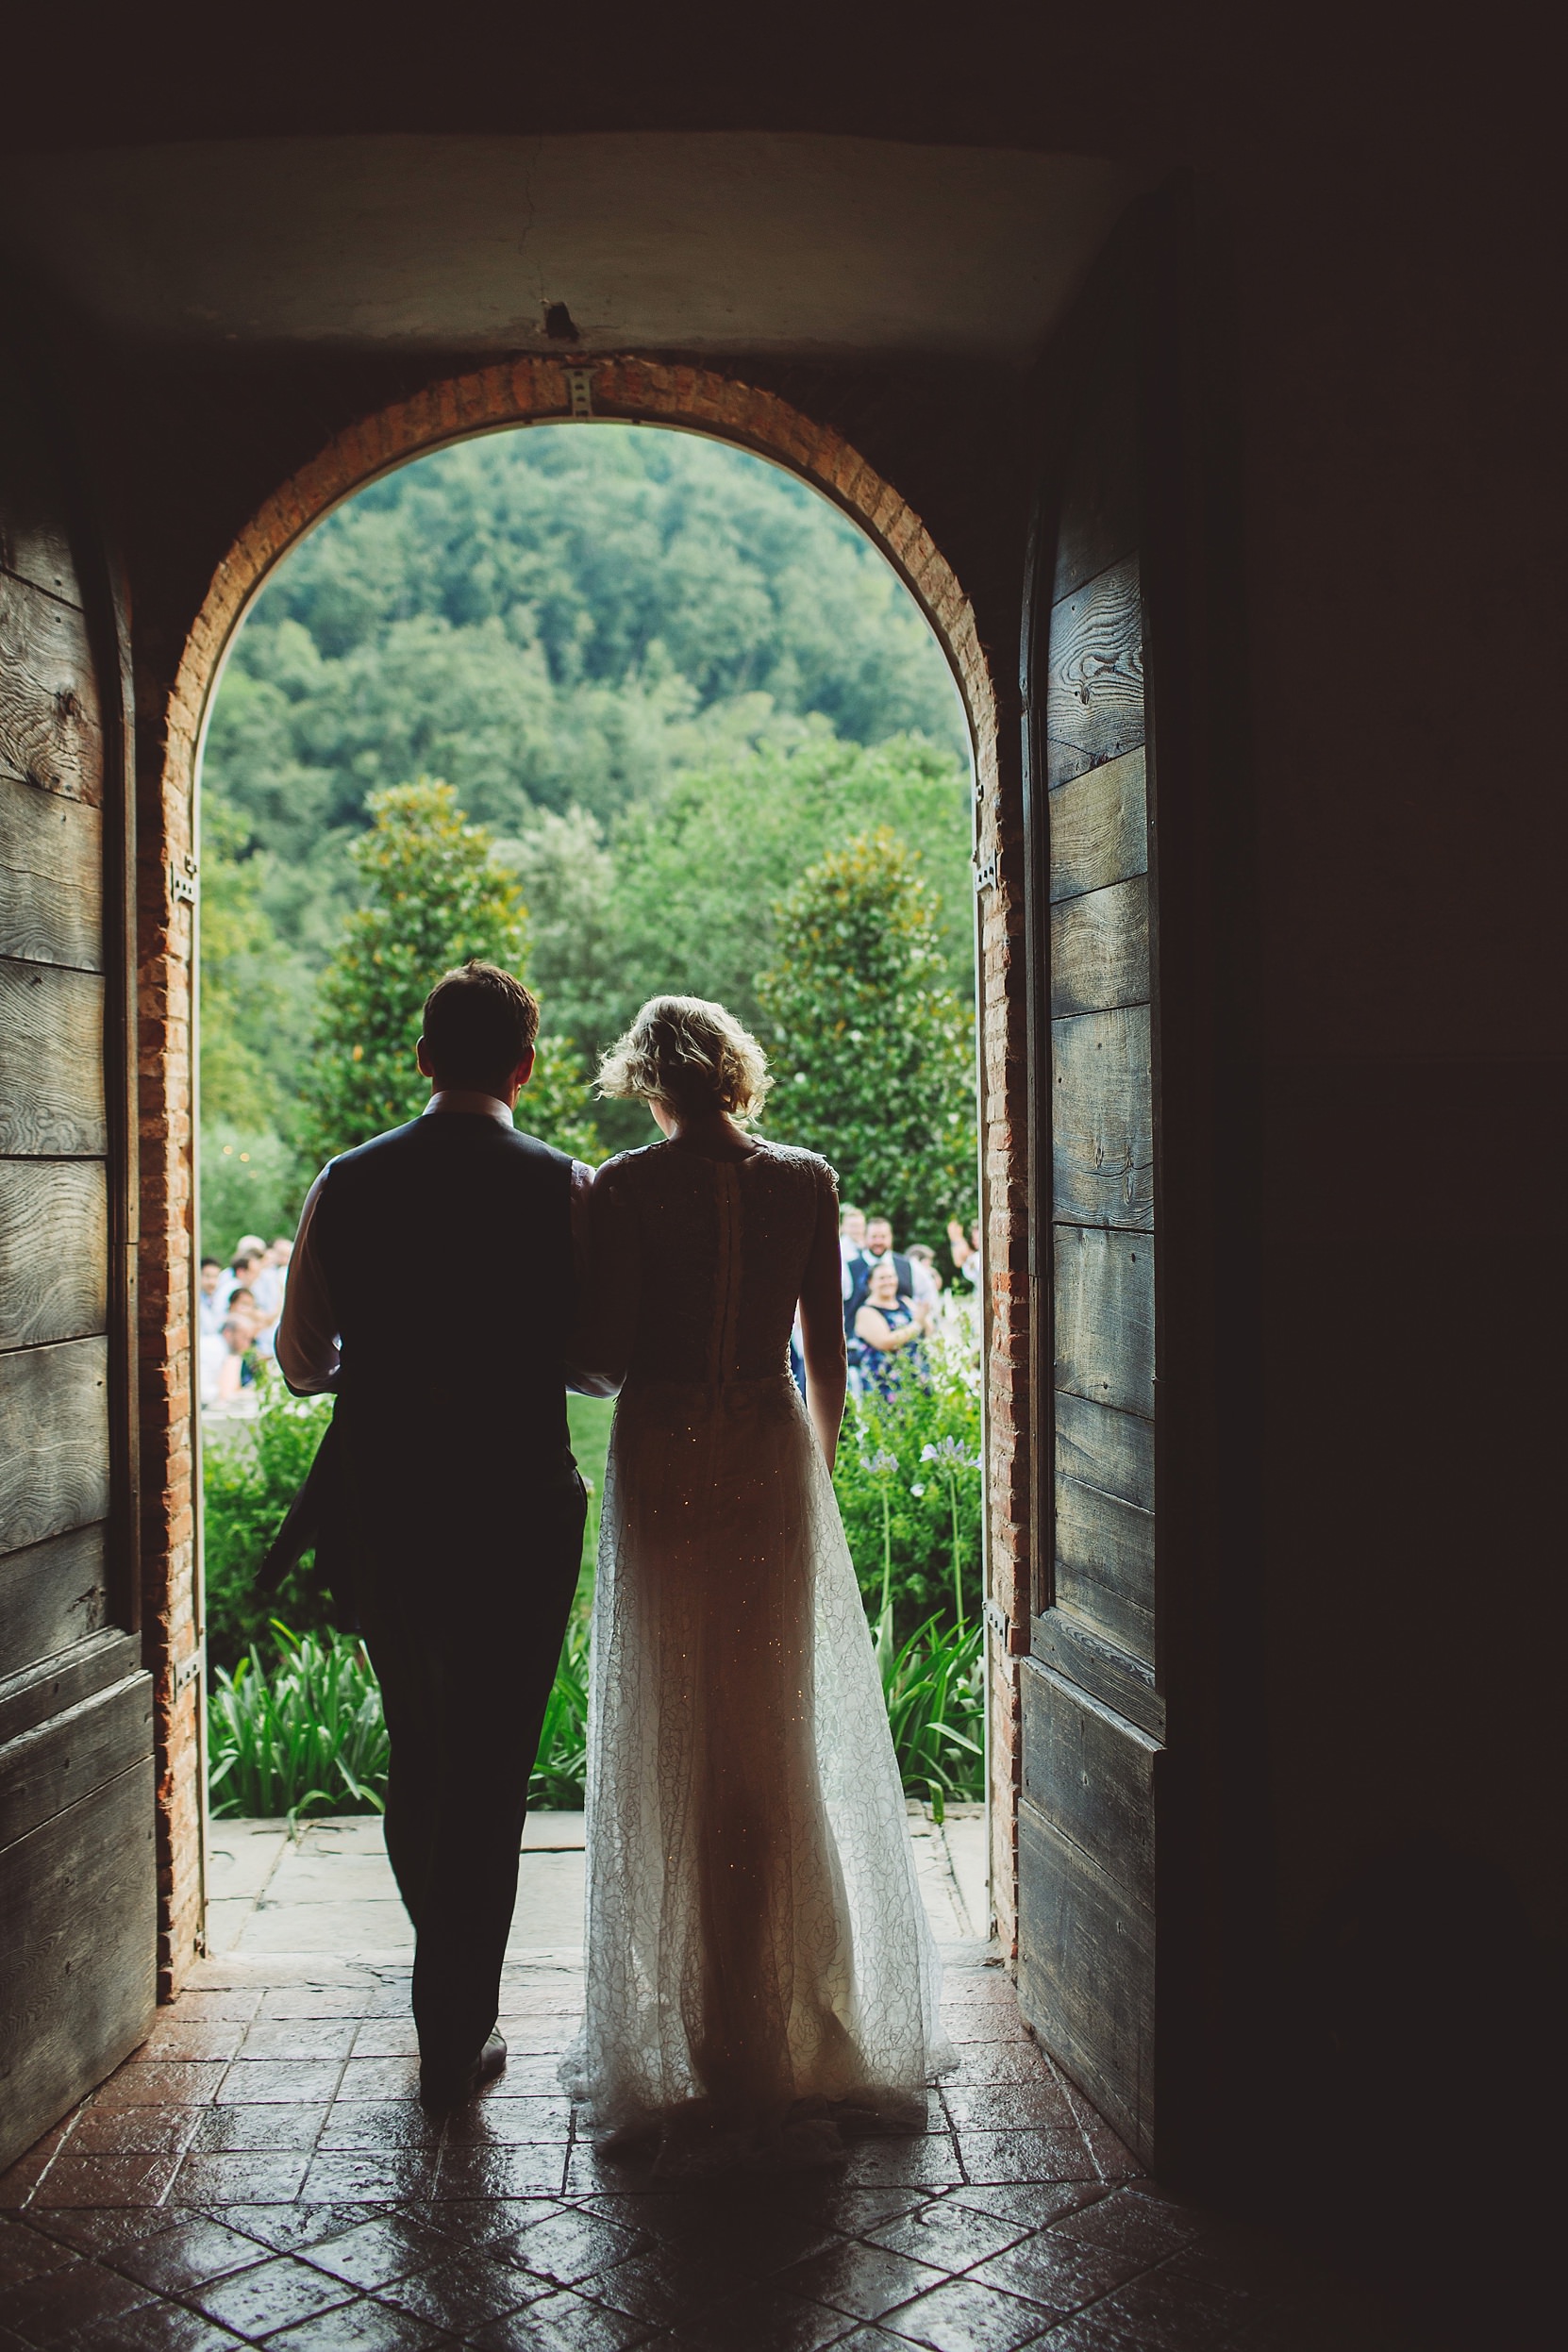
(518, 392)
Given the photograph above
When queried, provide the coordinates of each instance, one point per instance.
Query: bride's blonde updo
(691, 1055)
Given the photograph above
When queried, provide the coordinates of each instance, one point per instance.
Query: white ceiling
(792, 244)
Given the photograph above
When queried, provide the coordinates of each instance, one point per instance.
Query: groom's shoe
(444, 2087)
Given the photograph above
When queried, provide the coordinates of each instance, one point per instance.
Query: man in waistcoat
(455, 1497)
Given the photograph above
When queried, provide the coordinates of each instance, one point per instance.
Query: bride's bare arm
(822, 1325)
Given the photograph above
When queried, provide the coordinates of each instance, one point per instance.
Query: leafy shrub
(251, 1183)
(251, 1471)
(934, 1689)
(561, 1769)
(909, 1487)
(304, 1736)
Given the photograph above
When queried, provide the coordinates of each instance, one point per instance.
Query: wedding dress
(760, 1974)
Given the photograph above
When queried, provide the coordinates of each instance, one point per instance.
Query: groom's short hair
(479, 1024)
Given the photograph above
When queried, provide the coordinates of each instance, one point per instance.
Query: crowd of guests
(237, 1312)
(893, 1300)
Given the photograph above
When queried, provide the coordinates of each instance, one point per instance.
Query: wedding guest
(210, 1306)
(923, 1265)
(879, 1246)
(965, 1248)
(236, 1371)
(245, 1271)
(853, 1261)
(269, 1283)
(887, 1326)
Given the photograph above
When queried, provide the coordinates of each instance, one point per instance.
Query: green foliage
(559, 1775)
(302, 1735)
(901, 1507)
(251, 1471)
(434, 895)
(251, 1182)
(934, 1690)
(255, 990)
(873, 1055)
(557, 616)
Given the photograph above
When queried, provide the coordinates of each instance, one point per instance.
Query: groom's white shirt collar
(465, 1098)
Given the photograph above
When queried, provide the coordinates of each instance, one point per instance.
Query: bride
(760, 1976)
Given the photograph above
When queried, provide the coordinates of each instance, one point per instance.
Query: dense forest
(666, 675)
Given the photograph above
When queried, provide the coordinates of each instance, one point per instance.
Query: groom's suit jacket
(443, 1251)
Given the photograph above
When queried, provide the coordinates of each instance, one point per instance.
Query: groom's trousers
(464, 1605)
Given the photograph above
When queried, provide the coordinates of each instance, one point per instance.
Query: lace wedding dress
(760, 1976)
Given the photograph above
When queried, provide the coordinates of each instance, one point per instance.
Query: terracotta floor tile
(531, 2076)
(135, 2130)
(98, 2229)
(373, 2253)
(373, 2123)
(1034, 2205)
(1140, 2225)
(562, 2323)
(992, 2157)
(464, 2291)
(570, 2247)
(862, 2280)
(156, 2327)
(136, 2178)
(476, 2172)
(364, 2325)
(963, 2316)
(20, 2179)
(374, 1998)
(279, 2081)
(370, 2176)
(386, 2036)
(380, 2079)
(509, 2123)
(235, 2007)
(163, 2082)
(478, 2221)
(273, 2295)
(862, 2212)
(27, 2254)
(289, 2228)
(52, 2310)
(238, 2176)
(949, 2236)
(981, 2021)
(290, 2130)
(930, 2162)
(998, 2062)
(1010, 2107)
(181, 2037)
(300, 2038)
(188, 2255)
(1061, 2273)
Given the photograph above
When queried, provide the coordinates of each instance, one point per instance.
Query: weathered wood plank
(42, 1691)
(33, 541)
(54, 1441)
(51, 877)
(53, 1250)
(49, 1769)
(1086, 1976)
(80, 1899)
(1094, 672)
(1110, 1450)
(1100, 827)
(1104, 1569)
(1102, 1119)
(1107, 1672)
(1104, 1302)
(51, 1595)
(1091, 1775)
(1100, 949)
(50, 733)
(52, 1082)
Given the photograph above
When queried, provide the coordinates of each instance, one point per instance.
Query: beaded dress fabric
(760, 1976)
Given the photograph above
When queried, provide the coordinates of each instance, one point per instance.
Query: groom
(461, 1506)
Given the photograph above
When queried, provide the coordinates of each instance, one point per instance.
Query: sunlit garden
(623, 712)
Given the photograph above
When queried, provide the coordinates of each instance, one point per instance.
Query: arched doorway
(495, 399)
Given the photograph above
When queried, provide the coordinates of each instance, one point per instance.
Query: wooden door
(1094, 1696)
(77, 1864)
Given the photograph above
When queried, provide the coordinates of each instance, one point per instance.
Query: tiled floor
(261, 2172)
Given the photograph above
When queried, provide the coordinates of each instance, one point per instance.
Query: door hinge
(985, 874)
(185, 1673)
(579, 387)
(182, 880)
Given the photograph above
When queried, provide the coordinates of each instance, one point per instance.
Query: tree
(434, 895)
(873, 1055)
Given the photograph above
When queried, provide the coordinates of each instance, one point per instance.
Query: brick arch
(540, 391)
(523, 391)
